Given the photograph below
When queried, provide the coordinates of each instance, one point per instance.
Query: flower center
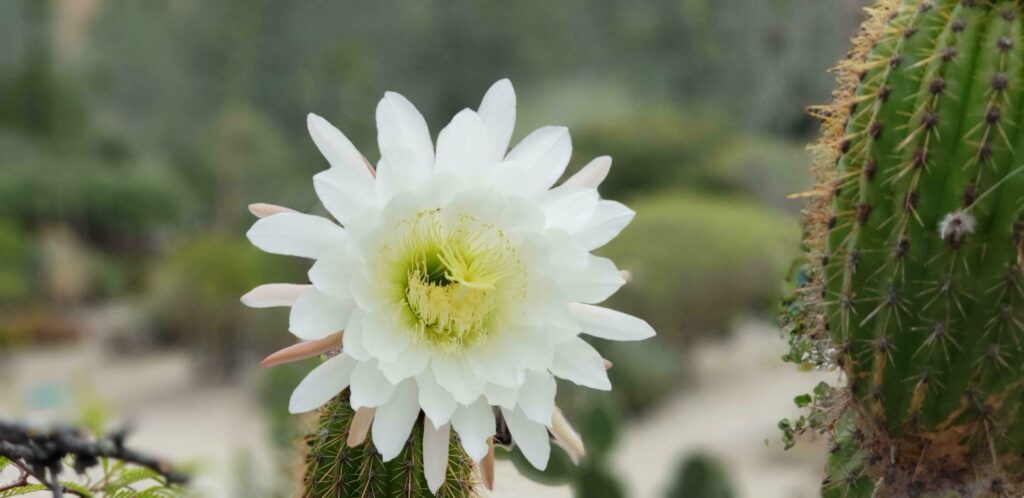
(459, 279)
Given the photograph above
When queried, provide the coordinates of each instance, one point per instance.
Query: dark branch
(41, 452)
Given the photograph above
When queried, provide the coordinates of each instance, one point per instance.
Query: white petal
(474, 423)
(537, 396)
(394, 420)
(437, 403)
(592, 174)
(580, 363)
(332, 274)
(435, 454)
(384, 336)
(271, 295)
(296, 234)
(462, 145)
(529, 436)
(456, 377)
(597, 282)
(401, 126)
(322, 383)
(501, 395)
(392, 178)
(352, 340)
(569, 208)
(316, 315)
(369, 386)
(608, 221)
(566, 436)
(335, 146)
(345, 192)
(498, 112)
(262, 210)
(545, 154)
(410, 362)
(610, 324)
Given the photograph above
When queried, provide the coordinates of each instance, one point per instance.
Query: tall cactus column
(916, 241)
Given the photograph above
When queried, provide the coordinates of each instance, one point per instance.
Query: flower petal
(316, 315)
(332, 274)
(537, 396)
(437, 403)
(608, 221)
(498, 113)
(569, 208)
(545, 154)
(566, 436)
(580, 363)
(360, 426)
(455, 376)
(610, 324)
(296, 234)
(410, 362)
(435, 454)
(335, 146)
(271, 295)
(401, 126)
(344, 192)
(500, 395)
(592, 174)
(384, 336)
(322, 383)
(262, 210)
(462, 145)
(369, 386)
(529, 436)
(475, 424)
(394, 420)
(352, 341)
(597, 282)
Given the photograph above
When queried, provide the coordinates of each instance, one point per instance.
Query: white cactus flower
(461, 277)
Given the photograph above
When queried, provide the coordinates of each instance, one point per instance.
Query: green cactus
(335, 470)
(915, 242)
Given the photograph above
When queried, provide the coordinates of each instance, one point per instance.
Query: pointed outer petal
(455, 376)
(352, 342)
(545, 154)
(302, 351)
(345, 192)
(438, 404)
(462, 145)
(322, 383)
(384, 335)
(569, 208)
(262, 210)
(334, 145)
(537, 396)
(566, 436)
(501, 396)
(393, 178)
(271, 295)
(529, 436)
(594, 284)
(435, 454)
(410, 362)
(610, 324)
(394, 420)
(592, 174)
(369, 386)
(360, 426)
(401, 126)
(498, 113)
(581, 364)
(332, 274)
(487, 466)
(316, 315)
(475, 424)
(607, 222)
(296, 234)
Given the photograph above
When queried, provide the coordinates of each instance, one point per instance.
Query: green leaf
(802, 400)
(23, 490)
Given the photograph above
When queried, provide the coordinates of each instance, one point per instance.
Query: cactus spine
(914, 241)
(335, 470)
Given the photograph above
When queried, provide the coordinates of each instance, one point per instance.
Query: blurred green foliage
(701, 476)
(697, 260)
(17, 269)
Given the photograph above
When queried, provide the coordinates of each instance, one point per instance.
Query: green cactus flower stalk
(915, 243)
